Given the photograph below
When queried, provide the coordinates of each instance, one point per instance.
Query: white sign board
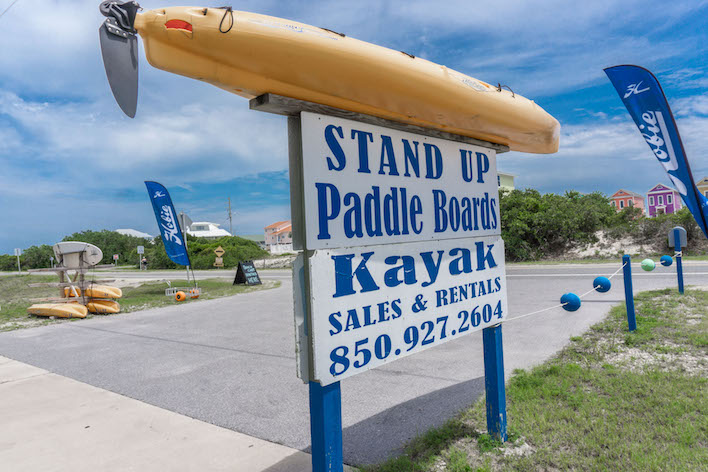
(404, 252)
(372, 305)
(115, 257)
(141, 249)
(365, 185)
(18, 251)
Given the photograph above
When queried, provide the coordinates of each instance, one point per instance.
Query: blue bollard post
(326, 427)
(628, 292)
(494, 382)
(679, 266)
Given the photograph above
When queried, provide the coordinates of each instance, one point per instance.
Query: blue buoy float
(602, 284)
(571, 302)
(666, 261)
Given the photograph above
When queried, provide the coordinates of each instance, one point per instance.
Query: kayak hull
(103, 291)
(261, 54)
(60, 310)
(72, 292)
(103, 307)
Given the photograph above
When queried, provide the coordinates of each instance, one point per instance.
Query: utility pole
(231, 226)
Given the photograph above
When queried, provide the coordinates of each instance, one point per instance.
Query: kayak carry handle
(500, 87)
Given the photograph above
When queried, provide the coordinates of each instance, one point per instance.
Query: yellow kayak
(72, 291)
(61, 310)
(103, 306)
(103, 291)
(250, 54)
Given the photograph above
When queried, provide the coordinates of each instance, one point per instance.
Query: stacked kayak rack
(77, 296)
(98, 298)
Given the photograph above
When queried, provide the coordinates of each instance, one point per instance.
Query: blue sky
(70, 160)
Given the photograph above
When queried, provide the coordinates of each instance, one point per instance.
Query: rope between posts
(617, 271)
(588, 292)
(563, 304)
(536, 312)
(676, 254)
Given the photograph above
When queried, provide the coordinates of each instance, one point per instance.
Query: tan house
(703, 186)
(279, 237)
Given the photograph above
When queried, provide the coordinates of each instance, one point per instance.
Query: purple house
(663, 199)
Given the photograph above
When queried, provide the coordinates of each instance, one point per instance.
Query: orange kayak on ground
(60, 310)
(103, 307)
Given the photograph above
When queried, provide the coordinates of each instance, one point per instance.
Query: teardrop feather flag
(641, 93)
(168, 223)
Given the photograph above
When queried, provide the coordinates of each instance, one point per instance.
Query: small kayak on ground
(103, 306)
(61, 310)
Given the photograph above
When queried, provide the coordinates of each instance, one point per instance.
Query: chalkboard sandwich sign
(247, 274)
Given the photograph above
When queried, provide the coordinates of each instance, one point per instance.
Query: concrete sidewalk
(52, 423)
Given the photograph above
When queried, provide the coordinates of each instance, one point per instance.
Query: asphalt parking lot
(231, 361)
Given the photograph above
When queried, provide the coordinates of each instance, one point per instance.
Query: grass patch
(152, 294)
(16, 296)
(611, 400)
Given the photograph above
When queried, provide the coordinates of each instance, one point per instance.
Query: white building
(204, 229)
(279, 237)
(134, 233)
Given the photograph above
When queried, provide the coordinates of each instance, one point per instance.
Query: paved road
(136, 275)
(140, 276)
(230, 361)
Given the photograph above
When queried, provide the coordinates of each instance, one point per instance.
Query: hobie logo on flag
(634, 89)
(655, 132)
(168, 224)
(647, 105)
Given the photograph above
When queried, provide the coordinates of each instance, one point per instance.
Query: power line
(8, 8)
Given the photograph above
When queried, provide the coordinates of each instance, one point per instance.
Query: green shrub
(536, 225)
(201, 252)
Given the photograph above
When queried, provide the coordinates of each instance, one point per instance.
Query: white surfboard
(76, 254)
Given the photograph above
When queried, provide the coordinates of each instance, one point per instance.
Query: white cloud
(696, 105)
(44, 44)
(686, 78)
(63, 141)
(200, 142)
(605, 155)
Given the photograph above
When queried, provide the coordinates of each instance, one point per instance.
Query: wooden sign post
(219, 260)
(400, 232)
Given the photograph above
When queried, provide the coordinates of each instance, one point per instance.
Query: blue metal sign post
(338, 333)
(629, 292)
(326, 427)
(679, 265)
(494, 382)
